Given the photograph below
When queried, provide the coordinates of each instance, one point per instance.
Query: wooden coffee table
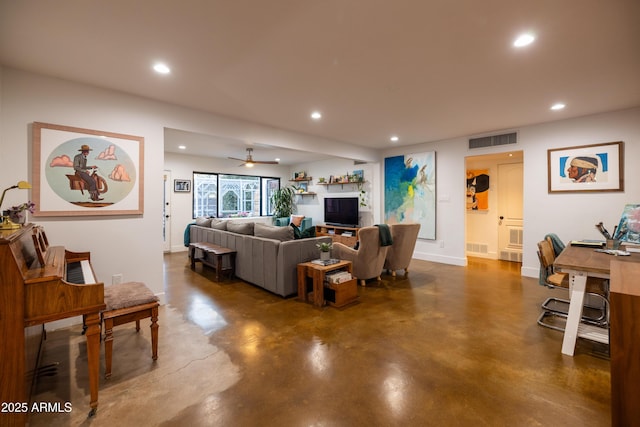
(317, 274)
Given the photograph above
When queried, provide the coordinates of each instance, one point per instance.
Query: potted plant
(283, 202)
(324, 250)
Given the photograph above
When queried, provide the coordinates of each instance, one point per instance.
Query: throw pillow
(296, 220)
(272, 232)
(203, 221)
(218, 224)
(240, 227)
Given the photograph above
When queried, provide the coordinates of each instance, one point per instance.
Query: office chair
(592, 313)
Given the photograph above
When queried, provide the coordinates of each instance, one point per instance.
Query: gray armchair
(368, 259)
(401, 251)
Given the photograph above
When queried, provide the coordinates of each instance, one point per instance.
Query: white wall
(182, 166)
(313, 207)
(571, 216)
(133, 245)
(127, 245)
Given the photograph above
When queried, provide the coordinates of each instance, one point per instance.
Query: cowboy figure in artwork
(82, 170)
(583, 169)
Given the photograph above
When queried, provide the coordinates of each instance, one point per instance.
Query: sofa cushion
(240, 227)
(218, 224)
(203, 221)
(271, 232)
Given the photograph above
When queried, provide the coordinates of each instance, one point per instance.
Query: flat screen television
(341, 211)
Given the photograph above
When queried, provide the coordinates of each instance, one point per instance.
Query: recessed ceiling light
(182, 147)
(277, 159)
(316, 115)
(524, 40)
(394, 138)
(161, 68)
(558, 106)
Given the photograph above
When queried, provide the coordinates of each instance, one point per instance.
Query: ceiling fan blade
(249, 160)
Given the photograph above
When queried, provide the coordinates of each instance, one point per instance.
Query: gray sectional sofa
(267, 255)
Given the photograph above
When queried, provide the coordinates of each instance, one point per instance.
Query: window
(232, 196)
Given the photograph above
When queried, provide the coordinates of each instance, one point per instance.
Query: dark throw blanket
(385, 235)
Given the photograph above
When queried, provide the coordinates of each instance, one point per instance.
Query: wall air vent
(493, 140)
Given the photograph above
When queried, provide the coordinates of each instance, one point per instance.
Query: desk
(625, 343)
(580, 263)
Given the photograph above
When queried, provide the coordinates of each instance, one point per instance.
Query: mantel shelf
(342, 184)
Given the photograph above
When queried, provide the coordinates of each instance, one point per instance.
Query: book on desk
(586, 243)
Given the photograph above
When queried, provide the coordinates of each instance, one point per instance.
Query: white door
(166, 212)
(510, 211)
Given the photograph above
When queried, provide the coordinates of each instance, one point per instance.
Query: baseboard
(530, 272)
(440, 258)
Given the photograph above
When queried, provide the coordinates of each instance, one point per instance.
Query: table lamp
(5, 221)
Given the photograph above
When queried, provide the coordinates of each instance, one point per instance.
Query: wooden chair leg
(154, 333)
(393, 273)
(108, 346)
(137, 326)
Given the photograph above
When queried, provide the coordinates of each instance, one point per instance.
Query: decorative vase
(18, 217)
(324, 255)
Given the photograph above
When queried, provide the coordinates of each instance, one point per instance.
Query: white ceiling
(424, 70)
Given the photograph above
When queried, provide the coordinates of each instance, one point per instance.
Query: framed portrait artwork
(181, 185)
(80, 172)
(596, 167)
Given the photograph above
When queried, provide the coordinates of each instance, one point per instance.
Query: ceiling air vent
(491, 141)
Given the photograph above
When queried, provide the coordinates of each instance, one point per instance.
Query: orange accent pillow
(297, 220)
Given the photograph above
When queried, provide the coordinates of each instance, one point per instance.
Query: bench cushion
(128, 294)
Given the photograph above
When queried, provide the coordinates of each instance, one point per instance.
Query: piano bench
(128, 302)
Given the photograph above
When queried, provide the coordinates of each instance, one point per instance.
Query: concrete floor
(446, 346)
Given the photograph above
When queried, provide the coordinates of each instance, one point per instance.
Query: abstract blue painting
(410, 191)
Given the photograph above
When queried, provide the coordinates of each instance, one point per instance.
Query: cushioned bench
(128, 302)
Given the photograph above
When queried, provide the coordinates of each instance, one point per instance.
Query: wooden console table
(317, 274)
(336, 234)
(218, 252)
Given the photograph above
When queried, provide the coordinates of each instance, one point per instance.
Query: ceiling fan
(249, 162)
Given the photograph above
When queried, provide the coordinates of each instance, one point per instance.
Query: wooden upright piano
(36, 287)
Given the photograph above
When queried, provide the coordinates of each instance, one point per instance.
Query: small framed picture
(181, 185)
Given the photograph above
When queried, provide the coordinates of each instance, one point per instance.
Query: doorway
(494, 220)
(166, 212)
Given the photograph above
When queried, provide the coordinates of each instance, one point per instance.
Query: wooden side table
(317, 274)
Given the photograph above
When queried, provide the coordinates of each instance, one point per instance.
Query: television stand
(339, 233)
